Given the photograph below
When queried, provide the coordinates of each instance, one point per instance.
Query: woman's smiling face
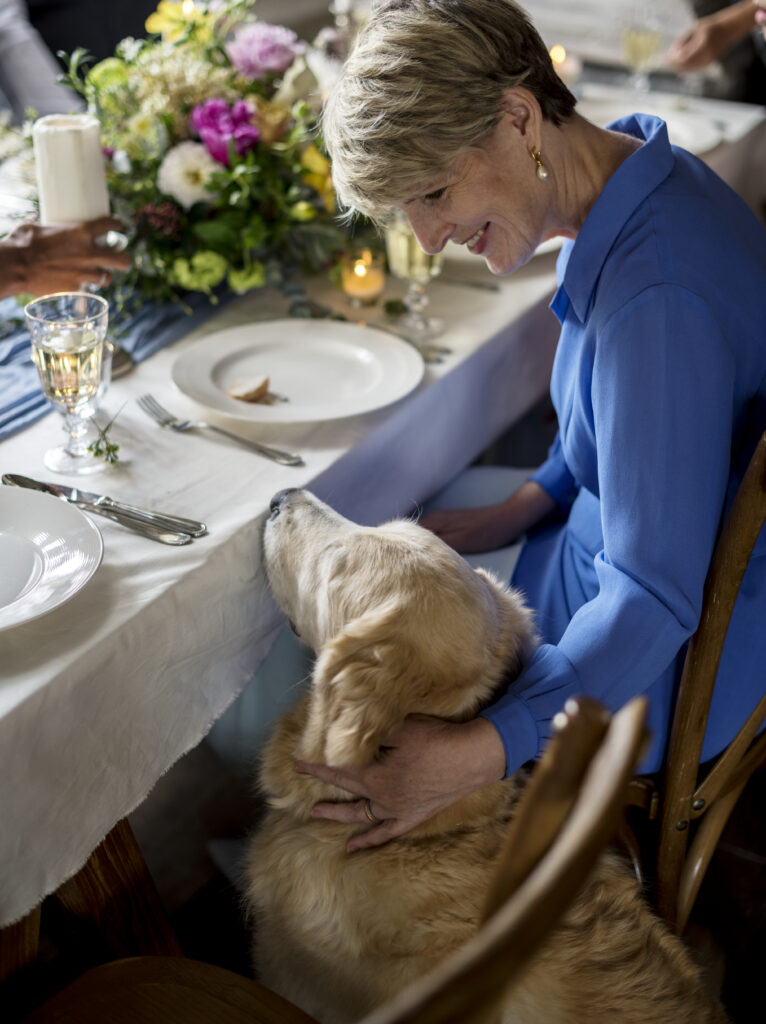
(491, 201)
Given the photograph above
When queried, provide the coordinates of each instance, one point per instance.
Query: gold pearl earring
(542, 170)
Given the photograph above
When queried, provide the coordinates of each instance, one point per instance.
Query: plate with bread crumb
(297, 371)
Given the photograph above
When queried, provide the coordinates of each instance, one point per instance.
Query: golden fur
(402, 625)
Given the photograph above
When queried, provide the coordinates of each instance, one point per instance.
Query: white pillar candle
(71, 179)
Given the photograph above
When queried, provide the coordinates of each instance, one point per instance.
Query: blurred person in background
(725, 34)
(37, 260)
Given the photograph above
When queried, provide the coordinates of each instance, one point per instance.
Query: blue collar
(581, 262)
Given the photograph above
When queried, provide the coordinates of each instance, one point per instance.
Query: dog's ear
(366, 681)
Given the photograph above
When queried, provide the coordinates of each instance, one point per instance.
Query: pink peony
(258, 48)
(217, 124)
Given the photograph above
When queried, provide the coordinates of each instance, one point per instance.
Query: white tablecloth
(101, 696)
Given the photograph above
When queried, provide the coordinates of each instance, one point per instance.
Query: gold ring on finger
(368, 813)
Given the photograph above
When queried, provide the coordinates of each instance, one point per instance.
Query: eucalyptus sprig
(102, 447)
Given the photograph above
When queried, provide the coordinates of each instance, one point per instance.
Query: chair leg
(701, 851)
(115, 891)
(19, 944)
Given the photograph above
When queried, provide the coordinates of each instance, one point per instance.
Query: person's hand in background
(37, 260)
(760, 15)
(711, 37)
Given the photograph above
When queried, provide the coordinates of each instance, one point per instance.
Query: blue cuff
(558, 484)
(518, 731)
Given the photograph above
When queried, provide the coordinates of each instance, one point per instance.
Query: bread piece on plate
(253, 389)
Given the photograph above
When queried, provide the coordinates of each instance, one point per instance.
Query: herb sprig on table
(102, 447)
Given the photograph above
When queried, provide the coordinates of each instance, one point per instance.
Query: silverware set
(165, 418)
(159, 526)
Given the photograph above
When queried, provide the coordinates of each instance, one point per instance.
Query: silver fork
(161, 415)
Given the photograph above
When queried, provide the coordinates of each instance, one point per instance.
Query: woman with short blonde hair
(450, 111)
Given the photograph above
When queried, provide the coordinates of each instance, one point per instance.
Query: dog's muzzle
(277, 502)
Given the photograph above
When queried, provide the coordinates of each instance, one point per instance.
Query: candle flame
(557, 54)
(360, 268)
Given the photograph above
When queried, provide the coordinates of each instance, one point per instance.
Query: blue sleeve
(663, 404)
(555, 477)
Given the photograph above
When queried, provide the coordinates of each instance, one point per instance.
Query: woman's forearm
(526, 507)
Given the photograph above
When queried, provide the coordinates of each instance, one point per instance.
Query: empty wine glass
(67, 332)
(641, 41)
(408, 262)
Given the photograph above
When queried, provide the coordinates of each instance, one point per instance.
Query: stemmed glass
(67, 332)
(408, 262)
(641, 41)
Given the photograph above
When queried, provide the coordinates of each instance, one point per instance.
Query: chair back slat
(546, 802)
(466, 988)
(732, 553)
(719, 780)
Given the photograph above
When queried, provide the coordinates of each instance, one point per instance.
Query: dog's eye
(274, 513)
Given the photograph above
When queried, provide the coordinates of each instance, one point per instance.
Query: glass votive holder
(363, 277)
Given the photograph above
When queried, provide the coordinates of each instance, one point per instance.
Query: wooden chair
(691, 813)
(566, 816)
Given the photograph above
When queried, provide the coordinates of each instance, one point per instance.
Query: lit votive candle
(71, 179)
(567, 66)
(363, 276)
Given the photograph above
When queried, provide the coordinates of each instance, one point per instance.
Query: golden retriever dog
(401, 625)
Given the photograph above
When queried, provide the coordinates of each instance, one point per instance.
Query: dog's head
(400, 623)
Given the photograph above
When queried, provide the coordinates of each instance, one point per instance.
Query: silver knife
(100, 503)
(139, 526)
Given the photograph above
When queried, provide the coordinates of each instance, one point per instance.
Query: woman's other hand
(426, 765)
(472, 530)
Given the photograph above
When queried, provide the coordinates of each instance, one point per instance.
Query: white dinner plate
(326, 369)
(48, 551)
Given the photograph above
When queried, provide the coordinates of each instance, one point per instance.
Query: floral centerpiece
(213, 161)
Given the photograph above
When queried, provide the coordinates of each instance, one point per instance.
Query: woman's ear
(522, 112)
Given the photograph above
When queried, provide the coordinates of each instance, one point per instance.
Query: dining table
(100, 695)
(103, 693)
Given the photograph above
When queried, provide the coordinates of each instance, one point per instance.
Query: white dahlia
(185, 171)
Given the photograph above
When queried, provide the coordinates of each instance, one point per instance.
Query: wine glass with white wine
(67, 332)
(408, 262)
(641, 40)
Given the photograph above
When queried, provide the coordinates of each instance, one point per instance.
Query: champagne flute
(641, 41)
(408, 262)
(67, 332)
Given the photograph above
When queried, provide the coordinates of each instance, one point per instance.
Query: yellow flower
(314, 161)
(318, 176)
(174, 20)
(302, 211)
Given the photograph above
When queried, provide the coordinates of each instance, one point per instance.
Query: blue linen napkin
(143, 333)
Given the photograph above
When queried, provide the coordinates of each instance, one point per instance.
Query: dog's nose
(279, 498)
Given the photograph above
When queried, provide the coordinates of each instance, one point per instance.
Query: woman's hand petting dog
(426, 765)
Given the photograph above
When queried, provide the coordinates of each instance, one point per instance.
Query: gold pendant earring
(542, 170)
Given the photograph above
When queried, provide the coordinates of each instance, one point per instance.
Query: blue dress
(659, 384)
